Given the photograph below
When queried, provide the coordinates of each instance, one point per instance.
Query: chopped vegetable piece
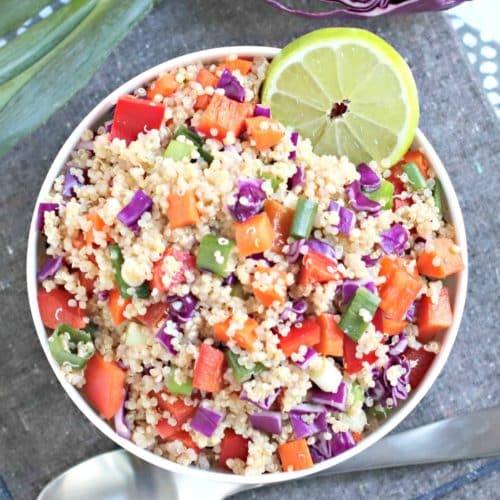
(182, 210)
(437, 195)
(232, 446)
(104, 385)
(153, 315)
(176, 407)
(59, 306)
(43, 208)
(184, 388)
(434, 318)
(240, 372)
(353, 364)
(442, 260)
(420, 160)
(134, 116)
(231, 86)
(132, 212)
(178, 150)
(307, 359)
(224, 115)
(206, 420)
(126, 291)
(369, 180)
(422, 359)
(206, 78)
(249, 199)
(383, 195)
(281, 220)
(415, 177)
(385, 324)
(196, 140)
(264, 132)
(97, 225)
(213, 254)
(347, 219)
(267, 421)
(165, 86)
(275, 181)
(303, 219)
(117, 305)
(70, 346)
(305, 333)
(358, 200)
(295, 455)
(318, 268)
(171, 269)
(400, 289)
(325, 374)
(269, 285)
(331, 336)
(244, 337)
(393, 240)
(241, 65)
(208, 369)
(256, 235)
(50, 267)
(337, 399)
(167, 431)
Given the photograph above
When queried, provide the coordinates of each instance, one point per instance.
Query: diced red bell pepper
(55, 309)
(318, 268)
(169, 432)
(232, 446)
(352, 364)
(133, 115)
(424, 359)
(434, 318)
(187, 263)
(307, 332)
(385, 324)
(332, 337)
(178, 409)
(209, 369)
(154, 314)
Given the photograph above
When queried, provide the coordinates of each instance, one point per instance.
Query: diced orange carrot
(182, 210)
(295, 455)
(117, 305)
(209, 369)
(245, 337)
(104, 385)
(97, 225)
(385, 324)
(400, 288)
(281, 219)
(271, 286)
(202, 102)
(224, 115)
(266, 132)
(206, 78)
(358, 436)
(165, 85)
(443, 260)
(241, 65)
(331, 336)
(434, 318)
(255, 235)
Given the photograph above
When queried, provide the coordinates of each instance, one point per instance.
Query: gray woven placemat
(41, 431)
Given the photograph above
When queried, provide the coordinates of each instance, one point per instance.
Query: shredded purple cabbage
(232, 87)
(304, 429)
(411, 314)
(370, 261)
(369, 180)
(71, 182)
(267, 421)
(347, 219)
(42, 208)
(359, 201)
(321, 247)
(298, 308)
(132, 212)
(349, 287)
(165, 335)
(260, 110)
(310, 355)
(49, 267)
(264, 404)
(398, 346)
(393, 240)
(182, 309)
(336, 400)
(102, 295)
(121, 424)
(297, 179)
(250, 199)
(206, 420)
(230, 280)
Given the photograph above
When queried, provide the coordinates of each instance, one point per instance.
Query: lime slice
(348, 91)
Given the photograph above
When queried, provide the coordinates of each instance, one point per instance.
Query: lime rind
(386, 61)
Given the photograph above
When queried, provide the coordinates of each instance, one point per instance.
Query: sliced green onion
(178, 150)
(196, 140)
(275, 181)
(213, 254)
(437, 194)
(415, 177)
(303, 219)
(126, 291)
(184, 389)
(241, 373)
(383, 195)
(70, 346)
(359, 313)
(358, 394)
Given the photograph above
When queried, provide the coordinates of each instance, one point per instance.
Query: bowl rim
(455, 215)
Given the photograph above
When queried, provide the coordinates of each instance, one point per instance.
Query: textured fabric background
(41, 431)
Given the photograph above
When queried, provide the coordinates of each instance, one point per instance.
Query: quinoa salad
(227, 298)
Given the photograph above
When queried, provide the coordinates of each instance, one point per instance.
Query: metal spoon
(116, 475)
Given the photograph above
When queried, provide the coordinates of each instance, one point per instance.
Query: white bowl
(458, 284)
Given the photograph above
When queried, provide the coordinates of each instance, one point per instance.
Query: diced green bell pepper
(303, 219)
(196, 140)
(213, 254)
(358, 393)
(241, 373)
(184, 389)
(142, 291)
(178, 150)
(71, 346)
(352, 321)
(275, 181)
(383, 195)
(415, 177)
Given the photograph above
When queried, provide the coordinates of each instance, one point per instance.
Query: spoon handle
(457, 438)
